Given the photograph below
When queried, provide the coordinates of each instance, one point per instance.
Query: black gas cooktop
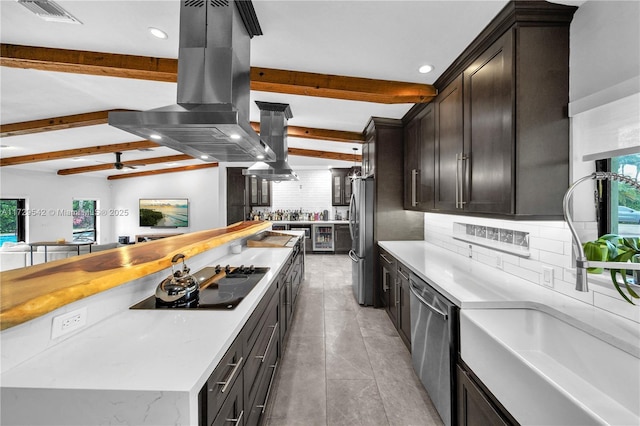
(221, 288)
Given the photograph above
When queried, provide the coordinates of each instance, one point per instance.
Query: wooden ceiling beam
(78, 152)
(162, 171)
(90, 63)
(56, 123)
(324, 154)
(320, 134)
(109, 166)
(262, 79)
(340, 87)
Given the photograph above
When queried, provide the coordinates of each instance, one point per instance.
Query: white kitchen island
(135, 366)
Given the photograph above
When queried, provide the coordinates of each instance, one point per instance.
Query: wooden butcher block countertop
(28, 293)
(270, 239)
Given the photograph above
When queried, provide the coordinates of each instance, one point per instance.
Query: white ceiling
(385, 40)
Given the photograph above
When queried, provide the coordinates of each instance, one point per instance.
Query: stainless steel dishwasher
(434, 344)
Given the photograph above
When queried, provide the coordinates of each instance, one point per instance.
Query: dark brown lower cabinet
(394, 279)
(342, 240)
(238, 390)
(404, 310)
(388, 281)
(232, 411)
(475, 406)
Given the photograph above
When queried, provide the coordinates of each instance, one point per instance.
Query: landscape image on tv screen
(164, 212)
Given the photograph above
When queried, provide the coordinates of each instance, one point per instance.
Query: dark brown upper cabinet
(259, 192)
(501, 131)
(340, 187)
(449, 147)
(419, 148)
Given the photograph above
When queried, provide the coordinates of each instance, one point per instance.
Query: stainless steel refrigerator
(361, 211)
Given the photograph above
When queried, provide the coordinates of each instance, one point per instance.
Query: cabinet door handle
(266, 398)
(226, 383)
(464, 179)
(414, 188)
(385, 259)
(397, 284)
(457, 181)
(460, 160)
(266, 351)
(237, 421)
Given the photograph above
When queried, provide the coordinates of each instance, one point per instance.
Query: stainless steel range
(219, 288)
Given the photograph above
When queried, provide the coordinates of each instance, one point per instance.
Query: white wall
(605, 46)
(51, 194)
(201, 187)
(604, 92)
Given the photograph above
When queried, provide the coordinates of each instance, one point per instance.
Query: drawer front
(387, 260)
(266, 344)
(232, 411)
(256, 410)
(222, 380)
(252, 328)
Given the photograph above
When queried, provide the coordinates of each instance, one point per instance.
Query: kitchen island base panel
(82, 407)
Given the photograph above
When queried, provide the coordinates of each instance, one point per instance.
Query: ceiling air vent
(49, 11)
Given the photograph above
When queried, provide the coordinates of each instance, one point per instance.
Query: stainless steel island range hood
(211, 117)
(273, 129)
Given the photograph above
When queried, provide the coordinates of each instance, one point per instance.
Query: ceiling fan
(119, 165)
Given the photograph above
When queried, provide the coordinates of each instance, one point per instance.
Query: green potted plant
(614, 248)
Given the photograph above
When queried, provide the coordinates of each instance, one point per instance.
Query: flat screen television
(164, 212)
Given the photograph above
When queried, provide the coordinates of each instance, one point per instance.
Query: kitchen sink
(545, 370)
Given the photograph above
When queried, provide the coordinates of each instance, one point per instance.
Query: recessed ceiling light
(260, 157)
(171, 164)
(204, 157)
(155, 136)
(77, 159)
(425, 69)
(234, 136)
(158, 33)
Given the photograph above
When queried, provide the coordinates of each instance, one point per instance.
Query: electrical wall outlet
(547, 276)
(470, 254)
(499, 261)
(66, 323)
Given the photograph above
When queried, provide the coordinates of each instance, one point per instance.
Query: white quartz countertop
(471, 284)
(148, 350)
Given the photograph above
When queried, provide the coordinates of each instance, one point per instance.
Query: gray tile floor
(344, 364)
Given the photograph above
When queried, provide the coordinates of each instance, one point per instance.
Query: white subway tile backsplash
(545, 244)
(550, 245)
(312, 193)
(523, 273)
(617, 306)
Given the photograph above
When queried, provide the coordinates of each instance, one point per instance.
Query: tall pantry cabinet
(383, 162)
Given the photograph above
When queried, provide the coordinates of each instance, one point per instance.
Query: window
(84, 220)
(624, 202)
(12, 220)
(620, 202)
